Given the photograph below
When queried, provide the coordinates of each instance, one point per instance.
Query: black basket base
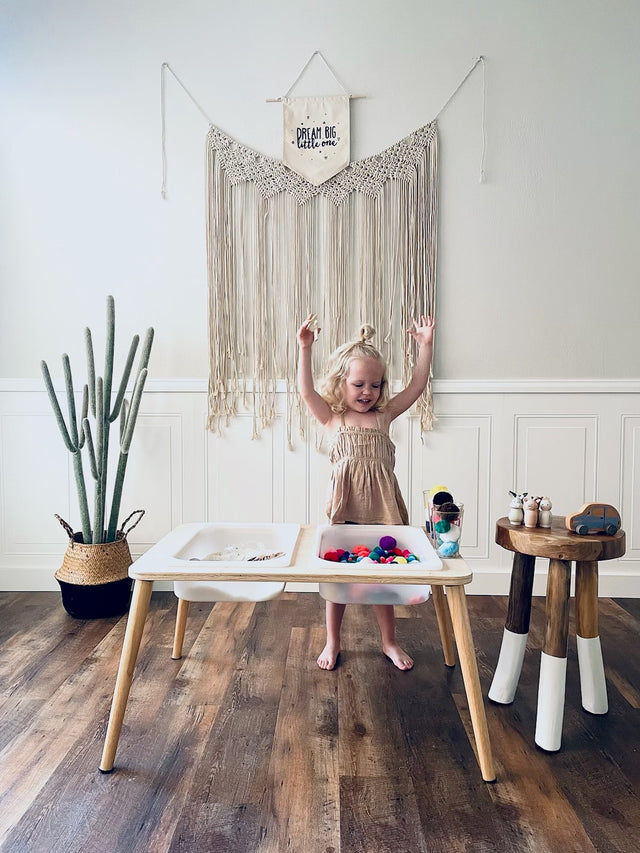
(96, 602)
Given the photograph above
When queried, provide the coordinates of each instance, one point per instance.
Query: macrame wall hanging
(358, 247)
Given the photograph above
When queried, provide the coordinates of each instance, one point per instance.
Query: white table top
(158, 564)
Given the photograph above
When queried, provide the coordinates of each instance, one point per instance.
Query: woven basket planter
(94, 579)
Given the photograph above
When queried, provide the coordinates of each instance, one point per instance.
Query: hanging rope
(309, 61)
(163, 69)
(479, 61)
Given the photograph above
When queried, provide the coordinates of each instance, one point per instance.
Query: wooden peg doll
(515, 508)
(544, 506)
(531, 509)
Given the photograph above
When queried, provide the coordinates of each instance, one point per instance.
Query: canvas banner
(316, 136)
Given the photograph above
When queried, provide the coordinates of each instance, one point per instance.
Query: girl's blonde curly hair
(331, 388)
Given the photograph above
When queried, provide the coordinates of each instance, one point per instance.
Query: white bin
(347, 536)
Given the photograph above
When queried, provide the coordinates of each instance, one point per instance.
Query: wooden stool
(561, 547)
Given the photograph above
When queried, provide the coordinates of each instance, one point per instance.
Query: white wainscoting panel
(630, 486)
(556, 456)
(241, 478)
(573, 441)
(153, 479)
(37, 481)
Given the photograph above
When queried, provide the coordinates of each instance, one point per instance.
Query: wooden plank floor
(245, 745)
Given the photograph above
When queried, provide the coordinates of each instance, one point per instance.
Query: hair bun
(366, 333)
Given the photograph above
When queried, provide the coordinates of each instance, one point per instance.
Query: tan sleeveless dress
(363, 487)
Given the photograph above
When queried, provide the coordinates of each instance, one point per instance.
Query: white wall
(538, 266)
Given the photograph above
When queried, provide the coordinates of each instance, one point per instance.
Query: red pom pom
(331, 555)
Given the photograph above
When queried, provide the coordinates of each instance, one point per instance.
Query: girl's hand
(308, 332)
(423, 331)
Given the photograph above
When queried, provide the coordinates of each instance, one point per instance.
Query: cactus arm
(117, 497)
(103, 444)
(103, 454)
(71, 401)
(98, 506)
(91, 451)
(119, 479)
(83, 504)
(83, 416)
(91, 371)
(55, 405)
(109, 350)
(125, 378)
(125, 444)
(133, 411)
(123, 418)
(146, 349)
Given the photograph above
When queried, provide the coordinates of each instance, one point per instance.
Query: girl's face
(363, 384)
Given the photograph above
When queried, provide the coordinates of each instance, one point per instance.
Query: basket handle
(139, 513)
(67, 527)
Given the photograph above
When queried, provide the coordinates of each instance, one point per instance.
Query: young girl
(355, 408)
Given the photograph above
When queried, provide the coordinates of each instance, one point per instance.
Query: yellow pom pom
(436, 489)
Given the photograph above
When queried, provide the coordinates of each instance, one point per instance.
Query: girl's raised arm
(318, 407)
(423, 333)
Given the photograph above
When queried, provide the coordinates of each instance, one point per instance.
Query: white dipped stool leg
(553, 661)
(593, 685)
(551, 689)
(516, 630)
(505, 680)
(592, 681)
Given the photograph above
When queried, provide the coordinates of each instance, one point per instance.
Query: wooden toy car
(594, 518)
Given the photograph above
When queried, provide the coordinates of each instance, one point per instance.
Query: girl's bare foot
(328, 656)
(398, 656)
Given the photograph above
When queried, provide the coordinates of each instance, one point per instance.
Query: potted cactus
(94, 575)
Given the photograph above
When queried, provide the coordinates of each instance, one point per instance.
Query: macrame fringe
(360, 248)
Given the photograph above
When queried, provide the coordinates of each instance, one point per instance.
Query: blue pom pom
(448, 549)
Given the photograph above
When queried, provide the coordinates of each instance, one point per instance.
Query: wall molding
(197, 385)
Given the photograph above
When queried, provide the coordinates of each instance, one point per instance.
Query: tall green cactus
(97, 398)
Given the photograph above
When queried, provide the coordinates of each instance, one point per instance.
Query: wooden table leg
(516, 630)
(133, 635)
(444, 625)
(181, 624)
(593, 685)
(553, 663)
(457, 601)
